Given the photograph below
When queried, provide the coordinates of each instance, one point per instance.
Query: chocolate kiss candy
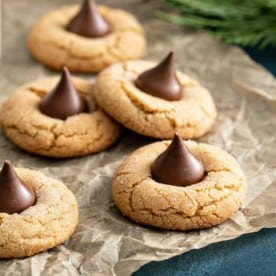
(177, 166)
(161, 81)
(88, 21)
(63, 101)
(15, 196)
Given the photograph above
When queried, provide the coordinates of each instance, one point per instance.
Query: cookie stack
(171, 184)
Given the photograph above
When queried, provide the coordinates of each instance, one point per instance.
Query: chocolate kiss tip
(88, 22)
(161, 81)
(177, 166)
(63, 101)
(15, 196)
(65, 74)
(65, 70)
(170, 56)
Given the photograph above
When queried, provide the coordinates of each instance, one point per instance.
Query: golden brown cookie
(54, 46)
(78, 135)
(201, 205)
(49, 222)
(191, 116)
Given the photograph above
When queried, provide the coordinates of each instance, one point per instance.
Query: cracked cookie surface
(201, 205)
(191, 117)
(78, 135)
(49, 222)
(54, 46)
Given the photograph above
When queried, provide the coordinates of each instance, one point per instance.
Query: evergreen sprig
(242, 22)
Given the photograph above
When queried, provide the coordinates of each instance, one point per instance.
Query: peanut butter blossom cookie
(179, 186)
(155, 100)
(86, 38)
(57, 118)
(36, 212)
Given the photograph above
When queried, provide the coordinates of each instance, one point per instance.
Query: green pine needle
(246, 23)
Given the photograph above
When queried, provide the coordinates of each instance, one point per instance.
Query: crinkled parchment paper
(106, 243)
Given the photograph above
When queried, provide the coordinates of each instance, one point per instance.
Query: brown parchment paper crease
(105, 243)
